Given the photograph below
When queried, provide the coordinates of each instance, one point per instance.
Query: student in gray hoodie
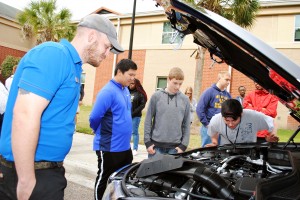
(167, 123)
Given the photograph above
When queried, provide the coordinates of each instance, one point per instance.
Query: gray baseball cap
(103, 25)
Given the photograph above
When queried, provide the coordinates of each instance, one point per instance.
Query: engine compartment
(211, 173)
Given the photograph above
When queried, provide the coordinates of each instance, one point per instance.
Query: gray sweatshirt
(167, 123)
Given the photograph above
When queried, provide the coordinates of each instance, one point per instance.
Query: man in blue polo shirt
(39, 120)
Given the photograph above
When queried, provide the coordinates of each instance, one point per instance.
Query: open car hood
(229, 43)
(239, 171)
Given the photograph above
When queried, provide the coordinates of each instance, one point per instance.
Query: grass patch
(284, 135)
(83, 124)
(84, 127)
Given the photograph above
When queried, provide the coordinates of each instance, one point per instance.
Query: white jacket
(3, 98)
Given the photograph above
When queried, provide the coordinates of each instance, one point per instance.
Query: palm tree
(40, 20)
(242, 12)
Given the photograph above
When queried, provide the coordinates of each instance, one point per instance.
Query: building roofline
(139, 14)
(8, 12)
(279, 3)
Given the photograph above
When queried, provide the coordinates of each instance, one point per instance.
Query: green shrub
(7, 65)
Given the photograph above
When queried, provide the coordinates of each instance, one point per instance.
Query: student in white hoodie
(167, 123)
(3, 100)
(9, 80)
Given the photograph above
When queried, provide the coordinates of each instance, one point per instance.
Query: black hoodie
(138, 103)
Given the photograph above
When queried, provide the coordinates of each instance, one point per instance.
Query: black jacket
(138, 103)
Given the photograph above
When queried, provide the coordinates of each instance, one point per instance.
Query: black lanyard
(237, 134)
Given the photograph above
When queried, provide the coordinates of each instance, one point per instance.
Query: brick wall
(210, 75)
(238, 80)
(103, 75)
(104, 71)
(292, 123)
(5, 51)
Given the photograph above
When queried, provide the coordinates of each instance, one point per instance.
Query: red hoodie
(262, 101)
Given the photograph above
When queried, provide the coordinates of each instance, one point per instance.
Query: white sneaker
(134, 152)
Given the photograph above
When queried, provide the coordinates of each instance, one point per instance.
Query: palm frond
(42, 20)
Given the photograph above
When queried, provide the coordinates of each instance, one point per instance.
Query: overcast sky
(81, 8)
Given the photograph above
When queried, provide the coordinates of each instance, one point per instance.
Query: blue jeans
(135, 132)
(163, 151)
(205, 139)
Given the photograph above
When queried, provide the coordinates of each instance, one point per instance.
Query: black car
(241, 171)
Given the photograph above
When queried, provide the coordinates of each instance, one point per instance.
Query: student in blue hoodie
(167, 123)
(210, 103)
(111, 122)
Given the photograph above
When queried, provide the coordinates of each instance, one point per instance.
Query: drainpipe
(115, 55)
(230, 72)
(132, 31)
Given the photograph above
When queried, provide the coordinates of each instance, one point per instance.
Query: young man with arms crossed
(111, 122)
(167, 123)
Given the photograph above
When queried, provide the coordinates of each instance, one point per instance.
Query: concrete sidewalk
(81, 162)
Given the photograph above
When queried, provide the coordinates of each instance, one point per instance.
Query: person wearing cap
(111, 122)
(39, 120)
(237, 125)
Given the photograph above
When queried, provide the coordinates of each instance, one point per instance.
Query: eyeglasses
(188, 93)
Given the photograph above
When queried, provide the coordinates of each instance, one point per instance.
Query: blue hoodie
(210, 103)
(110, 118)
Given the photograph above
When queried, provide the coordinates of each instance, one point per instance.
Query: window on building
(161, 82)
(297, 28)
(169, 34)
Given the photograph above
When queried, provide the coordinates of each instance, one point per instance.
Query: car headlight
(113, 191)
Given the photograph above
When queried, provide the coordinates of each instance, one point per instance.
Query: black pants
(50, 184)
(109, 162)
(1, 120)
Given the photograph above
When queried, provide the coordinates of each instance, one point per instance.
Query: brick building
(11, 42)
(276, 24)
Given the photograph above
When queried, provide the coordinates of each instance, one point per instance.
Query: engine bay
(211, 173)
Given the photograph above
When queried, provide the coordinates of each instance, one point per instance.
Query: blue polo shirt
(52, 71)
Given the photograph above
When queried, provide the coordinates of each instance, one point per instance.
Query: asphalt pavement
(81, 167)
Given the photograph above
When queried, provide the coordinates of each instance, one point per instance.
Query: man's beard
(93, 56)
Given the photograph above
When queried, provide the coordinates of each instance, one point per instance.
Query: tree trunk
(199, 71)
(198, 75)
